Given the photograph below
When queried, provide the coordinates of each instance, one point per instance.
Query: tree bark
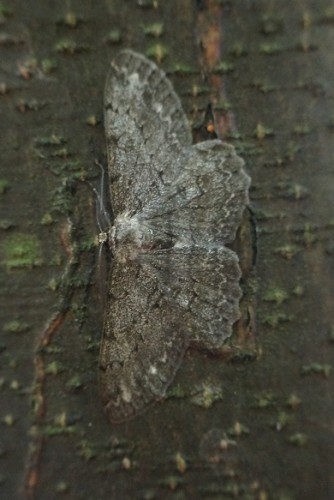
(254, 422)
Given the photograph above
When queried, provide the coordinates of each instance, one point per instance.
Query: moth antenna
(103, 218)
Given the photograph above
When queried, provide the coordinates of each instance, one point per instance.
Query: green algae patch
(206, 394)
(16, 326)
(158, 52)
(4, 185)
(154, 29)
(21, 250)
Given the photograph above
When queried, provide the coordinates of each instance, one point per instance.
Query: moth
(173, 282)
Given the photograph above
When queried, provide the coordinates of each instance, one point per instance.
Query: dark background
(255, 422)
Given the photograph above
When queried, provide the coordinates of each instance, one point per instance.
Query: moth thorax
(127, 230)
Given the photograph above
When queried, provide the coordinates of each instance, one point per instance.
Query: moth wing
(145, 128)
(205, 203)
(143, 342)
(204, 284)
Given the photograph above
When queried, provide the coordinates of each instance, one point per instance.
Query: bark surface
(255, 421)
